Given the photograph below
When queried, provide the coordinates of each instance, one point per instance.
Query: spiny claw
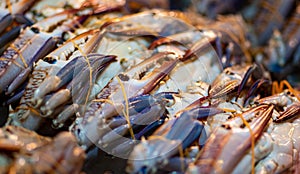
(282, 99)
(220, 152)
(248, 115)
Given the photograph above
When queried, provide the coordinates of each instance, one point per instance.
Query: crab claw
(231, 79)
(34, 43)
(87, 42)
(79, 82)
(224, 148)
(68, 73)
(155, 152)
(247, 115)
(143, 110)
(139, 80)
(291, 112)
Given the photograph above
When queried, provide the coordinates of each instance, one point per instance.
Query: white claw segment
(48, 85)
(65, 115)
(56, 100)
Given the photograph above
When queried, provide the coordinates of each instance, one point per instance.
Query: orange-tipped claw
(224, 149)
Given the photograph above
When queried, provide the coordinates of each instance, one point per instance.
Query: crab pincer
(146, 113)
(57, 79)
(140, 79)
(161, 148)
(71, 72)
(34, 43)
(225, 147)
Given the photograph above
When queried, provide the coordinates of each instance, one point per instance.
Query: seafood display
(116, 86)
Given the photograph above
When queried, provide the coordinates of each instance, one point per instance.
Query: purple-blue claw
(34, 43)
(202, 112)
(63, 77)
(149, 155)
(18, 81)
(139, 80)
(98, 64)
(146, 112)
(258, 84)
(9, 36)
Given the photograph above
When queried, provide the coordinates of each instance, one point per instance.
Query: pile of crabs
(167, 91)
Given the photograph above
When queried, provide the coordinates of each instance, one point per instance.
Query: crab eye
(229, 72)
(123, 77)
(35, 30)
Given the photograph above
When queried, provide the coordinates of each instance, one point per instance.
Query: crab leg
(202, 45)
(65, 75)
(224, 149)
